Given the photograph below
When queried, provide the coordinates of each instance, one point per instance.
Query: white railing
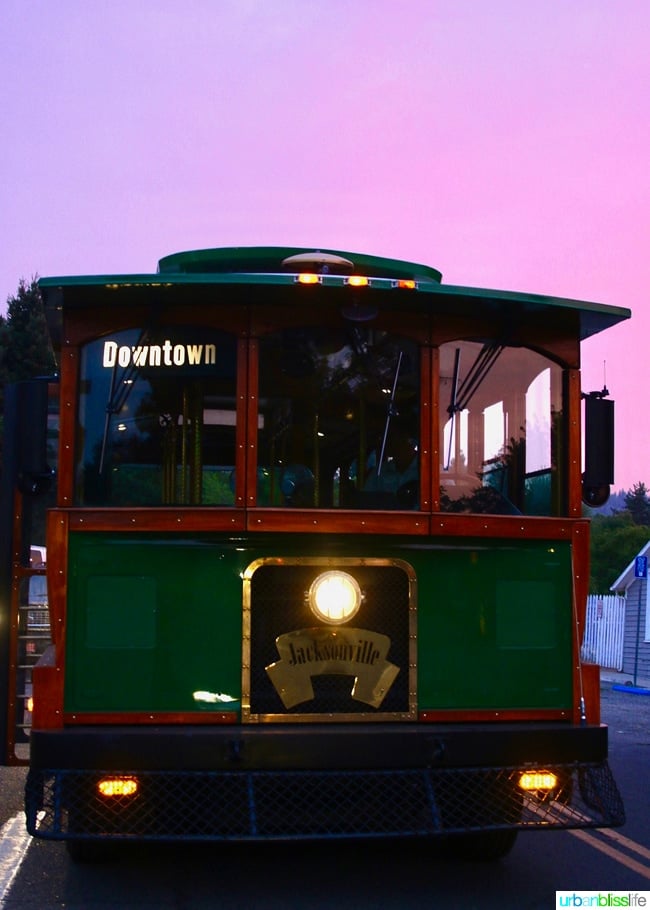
(602, 642)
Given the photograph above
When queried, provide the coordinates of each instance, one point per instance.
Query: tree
(615, 541)
(638, 505)
(25, 348)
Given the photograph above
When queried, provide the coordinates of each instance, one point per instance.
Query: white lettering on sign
(166, 354)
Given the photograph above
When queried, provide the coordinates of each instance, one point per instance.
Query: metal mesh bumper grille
(317, 804)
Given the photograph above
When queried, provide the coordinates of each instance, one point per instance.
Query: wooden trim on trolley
(84, 324)
(58, 522)
(251, 410)
(452, 715)
(435, 422)
(585, 685)
(157, 519)
(48, 674)
(574, 442)
(146, 717)
(332, 521)
(426, 432)
(67, 425)
(242, 437)
(337, 521)
(515, 527)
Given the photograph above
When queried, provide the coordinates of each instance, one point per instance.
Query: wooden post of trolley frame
(640, 572)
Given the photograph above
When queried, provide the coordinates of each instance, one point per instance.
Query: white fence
(603, 639)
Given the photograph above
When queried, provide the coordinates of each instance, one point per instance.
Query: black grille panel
(278, 606)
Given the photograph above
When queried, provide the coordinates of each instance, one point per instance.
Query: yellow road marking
(626, 842)
(614, 854)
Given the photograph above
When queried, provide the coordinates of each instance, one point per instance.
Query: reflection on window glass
(538, 431)
(339, 418)
(493, 417)
(157, 419)
(501, 430)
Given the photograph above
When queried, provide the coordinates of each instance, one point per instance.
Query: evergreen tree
(638, 504)
(25, 349)
(615, 541)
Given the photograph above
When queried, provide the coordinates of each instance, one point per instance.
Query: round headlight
(334, 597)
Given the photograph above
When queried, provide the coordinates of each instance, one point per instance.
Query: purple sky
(505, 142)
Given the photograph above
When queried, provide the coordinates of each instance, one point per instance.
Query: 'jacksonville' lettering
(363, 652)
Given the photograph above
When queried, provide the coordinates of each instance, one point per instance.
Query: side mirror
(599, 449)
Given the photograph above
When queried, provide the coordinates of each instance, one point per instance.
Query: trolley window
(502, 430)
(339, 418)
(157, 418)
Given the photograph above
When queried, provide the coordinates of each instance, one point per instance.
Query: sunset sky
(504, 142)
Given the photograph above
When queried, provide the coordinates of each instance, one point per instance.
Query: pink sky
(506, 143)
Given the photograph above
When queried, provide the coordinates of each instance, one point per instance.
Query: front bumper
(279, 782)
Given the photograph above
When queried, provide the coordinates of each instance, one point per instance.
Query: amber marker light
(358, 281)
(308, 278)
(334, 597)
(406, 283)
(538, 780)
(117, 786)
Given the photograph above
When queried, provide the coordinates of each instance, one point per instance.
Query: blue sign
(641, 567)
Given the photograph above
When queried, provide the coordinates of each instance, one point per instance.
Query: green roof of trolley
(273, 265)
(267, 259)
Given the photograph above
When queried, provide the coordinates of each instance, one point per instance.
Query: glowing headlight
(334, 597)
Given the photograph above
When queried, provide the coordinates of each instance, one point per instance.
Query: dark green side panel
(495, 627)
(151, 620)
(155, 618)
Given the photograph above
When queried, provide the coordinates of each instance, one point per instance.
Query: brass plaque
(306, 666)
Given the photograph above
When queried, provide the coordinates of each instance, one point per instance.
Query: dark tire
(481, 846)
(482, 812)
(90, 851)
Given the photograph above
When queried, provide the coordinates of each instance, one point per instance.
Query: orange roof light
(358, 281)
(308, 278)
(405, 283)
